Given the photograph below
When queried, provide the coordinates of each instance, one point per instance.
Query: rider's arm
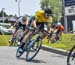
(49, 26)
(27, 21)
(34, 23)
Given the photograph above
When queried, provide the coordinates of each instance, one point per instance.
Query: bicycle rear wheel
(33, 49)
(71, 56)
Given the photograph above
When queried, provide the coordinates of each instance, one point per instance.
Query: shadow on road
(34, 60)
(37, 61)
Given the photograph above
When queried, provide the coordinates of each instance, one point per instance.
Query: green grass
(66, 42)
(4, 40)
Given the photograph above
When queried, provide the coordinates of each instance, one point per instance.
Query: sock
(21, 39)
(22, 44)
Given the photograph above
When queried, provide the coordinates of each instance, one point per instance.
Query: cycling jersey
(21, 24)
(20, 20)
(61, 28)
(41, 17)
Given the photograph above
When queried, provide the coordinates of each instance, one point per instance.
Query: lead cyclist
(42, 18)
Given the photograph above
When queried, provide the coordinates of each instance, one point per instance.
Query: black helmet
(48, 11)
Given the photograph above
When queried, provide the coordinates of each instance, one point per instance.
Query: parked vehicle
(4, 30)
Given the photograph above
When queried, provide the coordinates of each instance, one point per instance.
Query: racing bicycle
(32, 47)
(71, 56)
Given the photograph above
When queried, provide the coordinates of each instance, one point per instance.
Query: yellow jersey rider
(41, 17)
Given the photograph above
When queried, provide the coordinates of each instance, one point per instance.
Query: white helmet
(58, 24)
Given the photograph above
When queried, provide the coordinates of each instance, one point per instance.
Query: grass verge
(4, 40)
(66, 43)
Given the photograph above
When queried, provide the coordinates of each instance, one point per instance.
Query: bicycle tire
(13, 43)
(37, 46)
(19, 35)
(18, 52)
(70, 55)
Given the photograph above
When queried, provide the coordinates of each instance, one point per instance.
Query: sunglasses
(48, 14)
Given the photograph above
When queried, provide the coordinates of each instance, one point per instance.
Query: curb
(55, 50)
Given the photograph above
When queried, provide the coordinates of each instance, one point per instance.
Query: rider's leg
(24, 33)
(57, 36)
(53, 36)
(13, 36)
(25, 39)
(60, 35)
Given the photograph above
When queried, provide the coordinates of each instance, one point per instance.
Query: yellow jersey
(40, 17)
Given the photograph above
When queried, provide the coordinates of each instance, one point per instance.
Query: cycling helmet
(24, 17)
(48, 11)
(58, 24)
(53, 25)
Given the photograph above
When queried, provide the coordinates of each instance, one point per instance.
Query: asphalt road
(8, 57)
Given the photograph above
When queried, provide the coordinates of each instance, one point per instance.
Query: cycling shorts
(20, 26)
(42, 26)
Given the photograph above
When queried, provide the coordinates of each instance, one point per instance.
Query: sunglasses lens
(48, 14)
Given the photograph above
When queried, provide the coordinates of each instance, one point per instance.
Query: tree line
(5, 14)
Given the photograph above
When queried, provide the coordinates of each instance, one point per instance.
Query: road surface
(8, 57)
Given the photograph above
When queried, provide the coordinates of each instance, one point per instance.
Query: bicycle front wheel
(33, 50)
(13, 43)
(18, 53)
(71, 56)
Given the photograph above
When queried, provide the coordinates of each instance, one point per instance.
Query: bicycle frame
(31, 41)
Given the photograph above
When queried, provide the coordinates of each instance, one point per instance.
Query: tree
(1, 13)
(44, 3)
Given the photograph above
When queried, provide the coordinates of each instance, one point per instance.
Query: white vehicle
(4, 30)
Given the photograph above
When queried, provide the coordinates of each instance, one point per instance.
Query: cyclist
(20, 23)
(51, 31)
(28, 26)
(59, 28)
(42, 18)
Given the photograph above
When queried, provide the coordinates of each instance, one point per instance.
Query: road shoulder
(55, 50)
